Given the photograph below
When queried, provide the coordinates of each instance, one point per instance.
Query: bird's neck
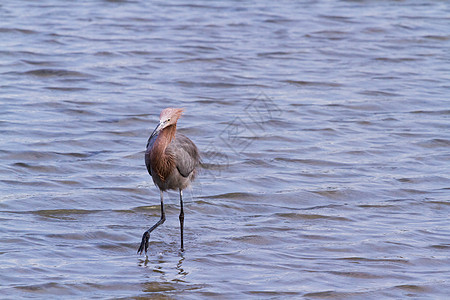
(163, 162)
(166, 136)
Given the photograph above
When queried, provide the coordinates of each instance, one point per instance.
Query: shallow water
(324, 128)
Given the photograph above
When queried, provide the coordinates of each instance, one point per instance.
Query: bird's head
(168, 117)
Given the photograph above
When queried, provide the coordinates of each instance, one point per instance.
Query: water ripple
(324, 135)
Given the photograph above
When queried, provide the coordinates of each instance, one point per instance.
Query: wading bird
(171, 159)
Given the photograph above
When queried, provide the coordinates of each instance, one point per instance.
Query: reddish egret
(171, 159)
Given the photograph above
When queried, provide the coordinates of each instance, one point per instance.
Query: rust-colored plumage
(160, 161)
(171, 159)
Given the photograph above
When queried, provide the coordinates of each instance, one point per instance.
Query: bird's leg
(181, 217)
(146, 236)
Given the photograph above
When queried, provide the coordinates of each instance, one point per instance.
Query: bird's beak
(157, 129)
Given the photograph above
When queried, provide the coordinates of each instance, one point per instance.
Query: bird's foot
(144, 243)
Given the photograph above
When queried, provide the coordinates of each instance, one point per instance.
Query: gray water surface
(324, 128)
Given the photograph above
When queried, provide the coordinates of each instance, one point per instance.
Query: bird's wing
(185, 153)
(150, 143)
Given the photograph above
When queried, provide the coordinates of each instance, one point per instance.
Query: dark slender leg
(181, 219)
(146, 236)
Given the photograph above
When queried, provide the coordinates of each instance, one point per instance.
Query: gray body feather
(186, 157)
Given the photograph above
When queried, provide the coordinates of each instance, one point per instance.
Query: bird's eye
(168, 120)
